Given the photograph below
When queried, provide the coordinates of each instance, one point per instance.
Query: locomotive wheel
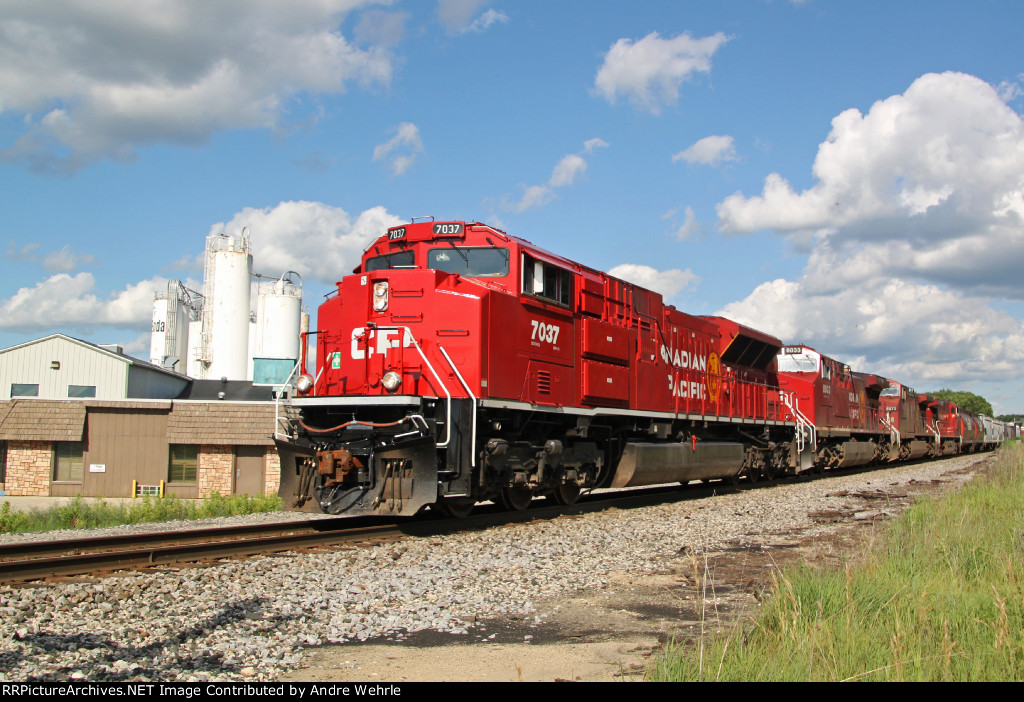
(566, 494)
(457, 507)
(516, 498)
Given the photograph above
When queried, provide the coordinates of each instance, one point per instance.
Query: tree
(965, 400)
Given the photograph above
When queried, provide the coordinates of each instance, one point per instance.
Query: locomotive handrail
(465, 385)
(448, 395)
(481, 225)
(894, 435)
(277, 401)
(801, 421)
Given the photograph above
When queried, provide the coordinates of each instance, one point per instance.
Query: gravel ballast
(251, 619)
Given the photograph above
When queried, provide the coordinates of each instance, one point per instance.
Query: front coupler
(395, 479)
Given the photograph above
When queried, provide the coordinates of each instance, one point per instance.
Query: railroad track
(35, 560)
(43, 559)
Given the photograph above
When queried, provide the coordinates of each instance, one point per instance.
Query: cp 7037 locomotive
(458, 364)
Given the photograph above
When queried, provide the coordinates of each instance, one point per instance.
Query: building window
(69, 461)
(24, 389)
(3, 461)
(81, 391)
(181, 467)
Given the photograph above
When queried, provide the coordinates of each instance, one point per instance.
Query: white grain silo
(278, 314)
(158, 335)
(224, 350)
(194, 368)
(174, 311)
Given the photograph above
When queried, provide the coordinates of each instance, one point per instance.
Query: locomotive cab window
(546, 281)
(483, 262)
(402, 259)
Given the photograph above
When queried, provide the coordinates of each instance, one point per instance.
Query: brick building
(199, 438)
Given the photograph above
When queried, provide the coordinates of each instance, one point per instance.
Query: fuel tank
(653, 463)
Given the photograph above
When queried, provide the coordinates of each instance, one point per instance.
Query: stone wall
(29, 464)
(216, 464)
(271, 472)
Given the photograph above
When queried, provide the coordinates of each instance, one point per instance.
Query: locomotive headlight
(304, 383)
(391, 381)
(380, 296)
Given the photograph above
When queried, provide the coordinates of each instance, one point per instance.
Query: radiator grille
(544, 382)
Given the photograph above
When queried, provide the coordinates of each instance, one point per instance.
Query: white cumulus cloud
(460, 16)
(669, 283)
(566, 170)
(919, 334)
(649, 71)
(321, 242)
(690, 227)
(402, 150)
(930, 181)
(565, 173)
(914, 231)
(63, 260)
(99, 79)
(71, 302)
(709, 151)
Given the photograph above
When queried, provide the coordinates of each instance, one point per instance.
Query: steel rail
(329, 532)
(88, 544)
(78, 564)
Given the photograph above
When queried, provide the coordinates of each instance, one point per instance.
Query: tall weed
(941, 597)
(79, 513)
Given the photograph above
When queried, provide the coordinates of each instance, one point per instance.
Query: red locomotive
(912, 434)
(459, 364)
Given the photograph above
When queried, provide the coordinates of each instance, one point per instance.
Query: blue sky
(848, 175)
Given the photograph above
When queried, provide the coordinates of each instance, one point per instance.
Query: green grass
(79, 514)
(940, 597)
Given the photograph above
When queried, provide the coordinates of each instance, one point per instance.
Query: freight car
(459, 364)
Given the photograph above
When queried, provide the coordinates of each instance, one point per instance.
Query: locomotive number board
(448, 229)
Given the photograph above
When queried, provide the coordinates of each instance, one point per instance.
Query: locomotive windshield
(484, 262)
(402, 259)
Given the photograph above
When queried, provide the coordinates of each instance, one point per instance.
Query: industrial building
(81, 419)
